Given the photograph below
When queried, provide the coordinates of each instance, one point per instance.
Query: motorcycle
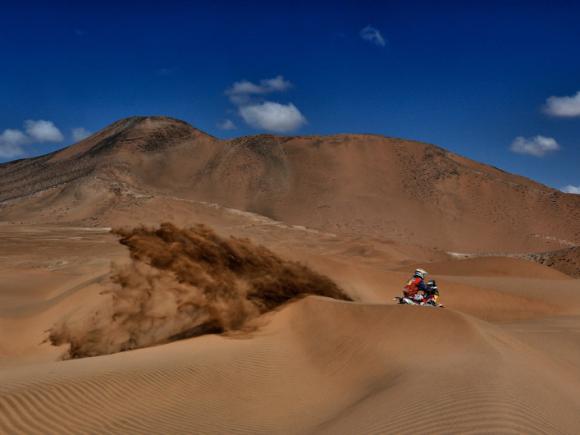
(429, 299)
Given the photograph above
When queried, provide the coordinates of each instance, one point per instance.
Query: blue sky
(476, 80)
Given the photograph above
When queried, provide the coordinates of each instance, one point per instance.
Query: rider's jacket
(414, 285)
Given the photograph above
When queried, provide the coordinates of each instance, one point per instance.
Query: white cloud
(259, 113)
(537, 146)
(276, 84)
(11, 142)
(79, 133)
(227, 124)
(276, 117)
(566, 107)
(373, 36)
(43, 131)
(240, 92)
(571, 189)
(13, 137)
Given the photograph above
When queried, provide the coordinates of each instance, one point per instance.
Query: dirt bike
(423, 300)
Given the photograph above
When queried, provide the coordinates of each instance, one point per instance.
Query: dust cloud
(183, 283)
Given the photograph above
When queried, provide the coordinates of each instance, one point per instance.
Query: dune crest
(183, 283)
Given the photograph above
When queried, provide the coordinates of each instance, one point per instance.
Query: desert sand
(502, 357)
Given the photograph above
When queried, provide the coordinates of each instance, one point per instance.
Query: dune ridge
(319, 366)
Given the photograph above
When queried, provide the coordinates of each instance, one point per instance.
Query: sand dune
(314, 366)
(317, 366)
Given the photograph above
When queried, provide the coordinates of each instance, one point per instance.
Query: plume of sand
(183, 283)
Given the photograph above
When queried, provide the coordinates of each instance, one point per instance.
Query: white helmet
(420, 273)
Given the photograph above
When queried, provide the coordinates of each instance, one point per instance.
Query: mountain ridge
(363, 184)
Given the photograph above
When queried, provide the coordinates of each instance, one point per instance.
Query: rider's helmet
(421, 273)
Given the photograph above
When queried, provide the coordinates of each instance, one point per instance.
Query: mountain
(113, 152)
(366, 185)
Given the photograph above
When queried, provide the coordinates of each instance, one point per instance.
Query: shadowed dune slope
(356, 184)
(319, 366)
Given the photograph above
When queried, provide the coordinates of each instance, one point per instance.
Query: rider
(432, 293)
(416, 284)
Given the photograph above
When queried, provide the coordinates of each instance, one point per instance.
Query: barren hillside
(565, 260)
(365, 185)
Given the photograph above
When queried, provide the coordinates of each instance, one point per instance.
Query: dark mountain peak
(137, 134)
(149, 124)
(152, 120)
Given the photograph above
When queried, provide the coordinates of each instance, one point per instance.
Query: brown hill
(492, 266)
(565, 260)
(354, 184)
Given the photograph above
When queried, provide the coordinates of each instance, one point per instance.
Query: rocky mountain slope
(365, 185)
(565, 260)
